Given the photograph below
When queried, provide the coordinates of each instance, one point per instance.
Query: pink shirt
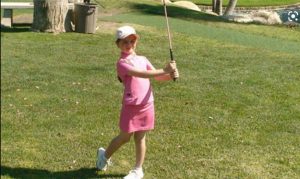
(137, 90)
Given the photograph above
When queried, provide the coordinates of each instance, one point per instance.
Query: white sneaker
(135, 174)
(102, 162)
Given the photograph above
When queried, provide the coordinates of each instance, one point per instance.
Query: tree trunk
(214, 5)
(219, 7)
(50, 15)
(230, 7)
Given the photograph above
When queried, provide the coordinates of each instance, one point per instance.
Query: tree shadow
(16, 28)
(176, 12)
(30, 173)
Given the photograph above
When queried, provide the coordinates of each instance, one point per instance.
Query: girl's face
(128, 44)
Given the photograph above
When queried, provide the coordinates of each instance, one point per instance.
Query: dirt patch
(111, 27)
(250, 9)
(24, 18)
(107, 27)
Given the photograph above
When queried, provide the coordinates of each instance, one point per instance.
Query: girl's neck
(126, 54)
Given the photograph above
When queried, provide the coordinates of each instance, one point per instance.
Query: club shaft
(169, 33)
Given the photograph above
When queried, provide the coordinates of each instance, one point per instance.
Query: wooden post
(219, 7)
(7, 19)
(214, 5)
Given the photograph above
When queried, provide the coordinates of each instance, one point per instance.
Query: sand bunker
(262, 17)
(187, 4)
(184, 4)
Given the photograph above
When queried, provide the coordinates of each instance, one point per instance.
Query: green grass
(249, 2)
(234, 112)
(208, 2)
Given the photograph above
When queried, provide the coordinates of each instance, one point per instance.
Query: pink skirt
(137, 118)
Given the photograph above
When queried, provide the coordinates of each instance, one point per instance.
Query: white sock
(140, 169)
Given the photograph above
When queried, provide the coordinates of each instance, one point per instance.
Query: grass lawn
(124, 4)
(234, 112)
(208, 2)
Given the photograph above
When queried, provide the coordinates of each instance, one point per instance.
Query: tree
(50, 15)
(217, 6)
(230, 7)
(214, 5)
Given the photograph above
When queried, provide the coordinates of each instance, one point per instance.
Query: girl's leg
(140, 147)
(116, 143)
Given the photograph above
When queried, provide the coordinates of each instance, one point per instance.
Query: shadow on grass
(16, 29)
(83, 173)
(176, 12)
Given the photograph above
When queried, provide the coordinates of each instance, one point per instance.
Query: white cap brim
(124, 32)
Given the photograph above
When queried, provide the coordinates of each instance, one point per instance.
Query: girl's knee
(125, 137)
(139, 136)
(126, 140)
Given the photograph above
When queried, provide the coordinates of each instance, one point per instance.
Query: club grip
(171, 54)
(172, 59)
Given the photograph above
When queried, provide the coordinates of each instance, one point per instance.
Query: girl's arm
(169, 76)
(158, 74)
(147, 73)
(165, 77)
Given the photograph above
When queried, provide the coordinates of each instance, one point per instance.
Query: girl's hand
(175, 74)
(170, 67)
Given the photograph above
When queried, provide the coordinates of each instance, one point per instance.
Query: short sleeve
(123, 68)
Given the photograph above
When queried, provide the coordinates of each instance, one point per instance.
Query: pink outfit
(137, 118)
(138, 109)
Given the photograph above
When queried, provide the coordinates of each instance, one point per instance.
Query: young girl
(137, 114)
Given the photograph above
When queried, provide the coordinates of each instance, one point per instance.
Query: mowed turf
(208, 2)
(234, 112)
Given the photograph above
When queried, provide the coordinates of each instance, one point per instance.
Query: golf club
(169, 34)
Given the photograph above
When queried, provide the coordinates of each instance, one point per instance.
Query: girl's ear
(135, 44)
